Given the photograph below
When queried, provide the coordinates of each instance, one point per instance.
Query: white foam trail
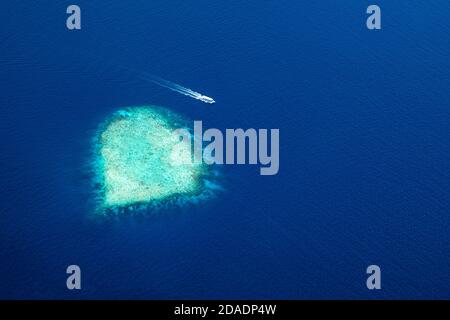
(177, 88)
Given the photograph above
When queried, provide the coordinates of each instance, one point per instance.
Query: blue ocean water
(364, 148)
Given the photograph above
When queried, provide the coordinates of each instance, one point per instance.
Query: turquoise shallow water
(364, 149)
(144, 159)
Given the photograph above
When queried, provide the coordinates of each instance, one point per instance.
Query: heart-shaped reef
(141, 161)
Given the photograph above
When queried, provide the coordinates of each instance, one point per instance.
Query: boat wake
(177, 88)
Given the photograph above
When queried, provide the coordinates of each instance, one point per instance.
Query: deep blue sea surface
(364, 148)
